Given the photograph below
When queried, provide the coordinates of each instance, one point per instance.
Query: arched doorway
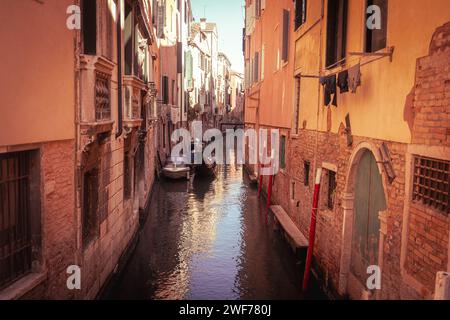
(364, 199)
(369, 202)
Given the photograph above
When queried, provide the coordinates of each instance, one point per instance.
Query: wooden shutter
(286, 17)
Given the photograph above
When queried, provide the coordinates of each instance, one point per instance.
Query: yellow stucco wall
(37, 72)
(377, 109)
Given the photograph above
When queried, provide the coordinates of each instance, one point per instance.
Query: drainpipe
(119, 72)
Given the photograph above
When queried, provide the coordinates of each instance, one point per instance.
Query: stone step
(289, 227)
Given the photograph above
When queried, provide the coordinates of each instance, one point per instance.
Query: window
(165, 89)
(432, 183)
(286, 18)
(336, 31)
(283, 152)
(297, 105)
(19, 213)
(89, 26)
(376, 39)
(306, 171)
(90, 206)
(329, 189)
(300, 13)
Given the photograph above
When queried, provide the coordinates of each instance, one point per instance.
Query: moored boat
(177, 169)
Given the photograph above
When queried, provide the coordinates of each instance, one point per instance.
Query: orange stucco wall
(37, 72)
(377, 110)
(272, 97)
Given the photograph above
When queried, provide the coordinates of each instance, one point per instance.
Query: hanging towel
(330, 89)
(354, 77)
(343, 81)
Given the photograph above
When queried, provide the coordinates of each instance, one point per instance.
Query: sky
(229, 16)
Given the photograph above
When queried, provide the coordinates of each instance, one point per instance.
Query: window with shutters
(431, 184)
(300, 13)
(285, 46)
(89, 26)
(376, 39)
(336, 32)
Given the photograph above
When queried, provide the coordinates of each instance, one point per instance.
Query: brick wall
(428, 241)
(58, 217)
(118, 224)
(432, 93)
(332, 149)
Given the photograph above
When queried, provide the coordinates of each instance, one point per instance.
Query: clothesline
(378, 55)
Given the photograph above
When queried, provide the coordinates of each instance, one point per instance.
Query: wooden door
(369, 201)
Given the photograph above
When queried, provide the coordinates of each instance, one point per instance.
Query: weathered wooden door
(369, 201)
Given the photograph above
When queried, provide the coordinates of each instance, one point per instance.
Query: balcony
(96, 74)
(96, 98)
(133, 97)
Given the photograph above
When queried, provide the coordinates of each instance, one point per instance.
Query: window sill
(22, 286)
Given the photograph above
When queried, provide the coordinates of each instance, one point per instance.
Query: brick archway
(348, 201)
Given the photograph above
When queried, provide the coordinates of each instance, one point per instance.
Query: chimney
(203, 24)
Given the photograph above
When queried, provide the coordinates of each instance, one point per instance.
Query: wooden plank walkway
(289, 227)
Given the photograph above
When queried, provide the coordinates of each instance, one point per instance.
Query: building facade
(78, 170)
(380, 134)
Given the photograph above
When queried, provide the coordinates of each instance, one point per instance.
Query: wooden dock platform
(299, 241)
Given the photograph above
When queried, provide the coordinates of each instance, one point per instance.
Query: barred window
(431, 183)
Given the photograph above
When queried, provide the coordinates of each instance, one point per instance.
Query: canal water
(209, 239)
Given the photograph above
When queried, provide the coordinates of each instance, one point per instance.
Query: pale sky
(229, 16)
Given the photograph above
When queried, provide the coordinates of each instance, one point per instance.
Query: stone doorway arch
(364, 154)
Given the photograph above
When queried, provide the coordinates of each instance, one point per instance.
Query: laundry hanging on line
(343, 81)
(354, 77)
(329, 83)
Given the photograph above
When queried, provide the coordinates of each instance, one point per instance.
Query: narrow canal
(209, 239)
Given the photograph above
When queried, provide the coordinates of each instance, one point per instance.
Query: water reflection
(209, 240)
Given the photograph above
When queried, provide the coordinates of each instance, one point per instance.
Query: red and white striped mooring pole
(312, 230)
